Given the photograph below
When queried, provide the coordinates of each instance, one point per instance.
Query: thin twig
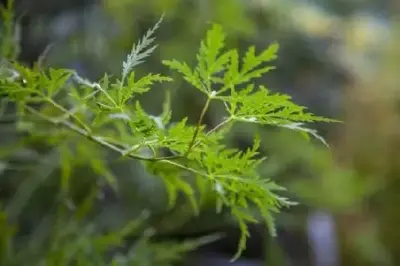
(223, 123)
(61, 108)
(199, 122)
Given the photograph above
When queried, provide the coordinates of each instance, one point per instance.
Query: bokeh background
(340, 58)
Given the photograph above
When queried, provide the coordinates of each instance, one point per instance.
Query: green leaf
(142, 125)
(262, 107)
(192, 77)
(140, 86)
(210, 61)
(251, 60)
(209, 52)
(58, 77)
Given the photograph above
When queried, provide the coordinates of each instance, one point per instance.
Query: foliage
(77, 118)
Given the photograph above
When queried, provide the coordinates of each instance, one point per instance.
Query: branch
(96, 139)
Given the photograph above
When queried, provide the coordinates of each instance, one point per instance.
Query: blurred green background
(340, 58)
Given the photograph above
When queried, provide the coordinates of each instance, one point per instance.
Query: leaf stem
(223, 123)
(199, 122)
(194, 171)
(61, 108)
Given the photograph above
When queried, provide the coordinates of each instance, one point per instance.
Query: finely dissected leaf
(179, 136)
(190, 76)
(233, 69)
(139, 86)
(143, 125)
(262, 107)
(208, 53)
(140, 51)
(251, 60)
(307, 131)
(210, 61)
(58, 77)
(251, 66)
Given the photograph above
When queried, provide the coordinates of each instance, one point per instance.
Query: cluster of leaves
(78, 116)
